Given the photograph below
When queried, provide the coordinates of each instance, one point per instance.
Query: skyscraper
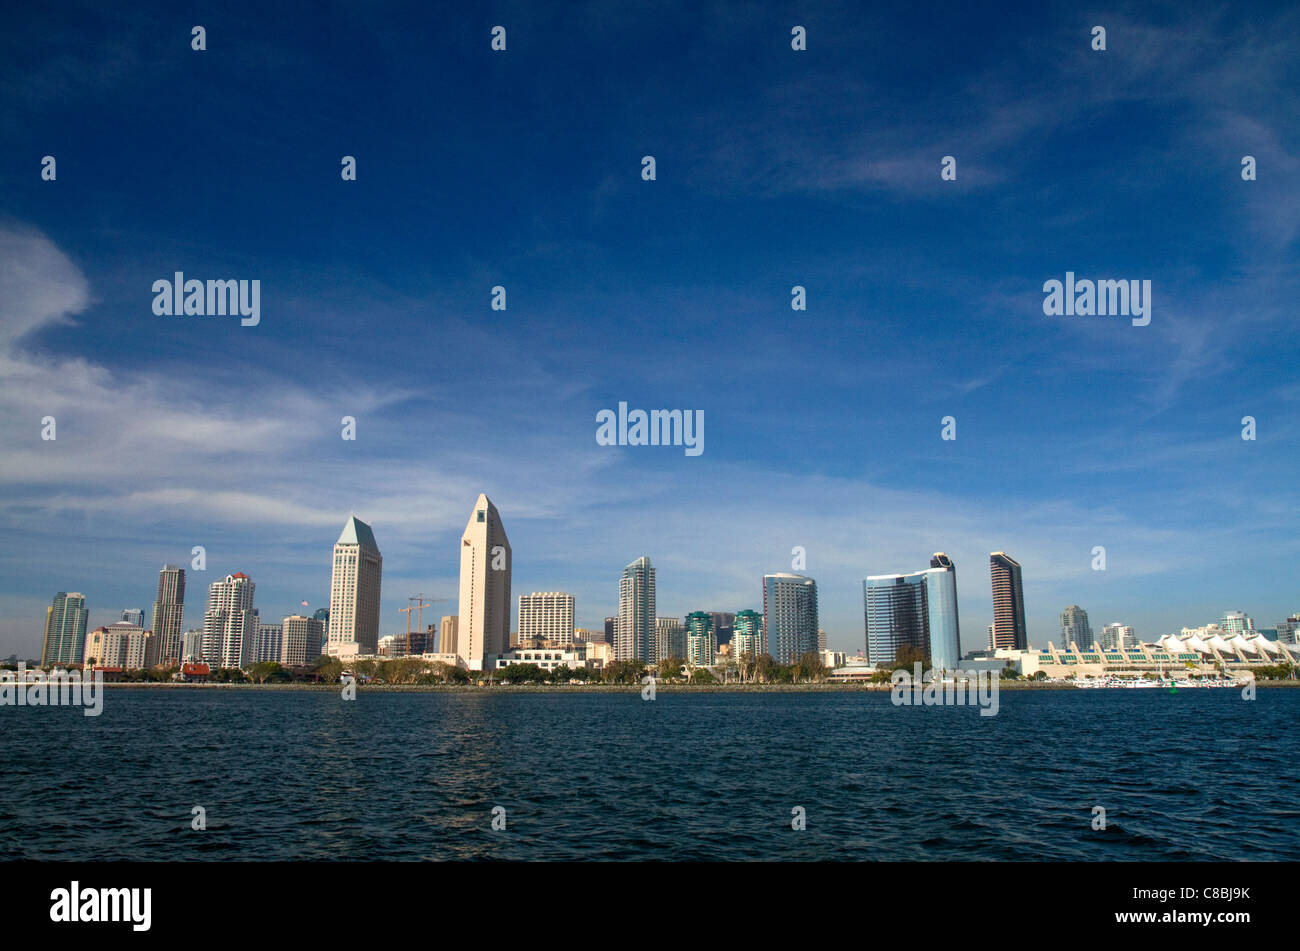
(1075, 628)
(546, 617)
(322, 615)
(299, 640)
(917, 610)
(354, 589)
(789, 616)
(747, 634)
(670, 638)
(483, 631)
(1008, 603)
(65, 630)
(724, 623)
(169, 613)
(134, 616)
(192, 646)
(230, 625)
(611, 630)
(941, 598)
(897, 616)
(635, 638)
(701, 639)
(1287, 630)
(447, 634)
(270, 643)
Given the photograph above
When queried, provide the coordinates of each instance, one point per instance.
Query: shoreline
(610, 688)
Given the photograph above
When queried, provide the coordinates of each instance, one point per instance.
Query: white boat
(1131, 683)
(1210, 682)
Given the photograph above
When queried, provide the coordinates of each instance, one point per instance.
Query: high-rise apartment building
(635, 637)
(747, 634)
(1237, 622)
(230, 625)
(1288, 630)
(270, 643)
(701, 640)
(192, 646)
(65, 630)
(1075, 628)
(789, 616)
(1116, 637)
(483, 629)
(545, 617)
(670, 638)
(355, 588)
(1008, 603)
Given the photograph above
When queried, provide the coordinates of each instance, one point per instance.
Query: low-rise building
(194, 673)
(1172, 654)
(549, 658)
(344, 650)
(832, 659)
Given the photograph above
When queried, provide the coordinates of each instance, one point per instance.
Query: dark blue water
(1201, 774)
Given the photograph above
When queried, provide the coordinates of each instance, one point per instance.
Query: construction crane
(420, 601)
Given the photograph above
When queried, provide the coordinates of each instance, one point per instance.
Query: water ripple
(290, 775)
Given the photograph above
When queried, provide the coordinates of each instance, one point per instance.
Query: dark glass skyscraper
(917, 610)
(897, 616)
(723, 623)
(1008, 603)
(169, 613)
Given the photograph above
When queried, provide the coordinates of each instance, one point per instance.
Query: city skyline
(942, 592)
(818, 169)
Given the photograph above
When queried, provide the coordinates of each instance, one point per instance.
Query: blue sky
(774, 168)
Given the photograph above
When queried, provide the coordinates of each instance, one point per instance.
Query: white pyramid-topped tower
(354, 589)
(483, 631)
